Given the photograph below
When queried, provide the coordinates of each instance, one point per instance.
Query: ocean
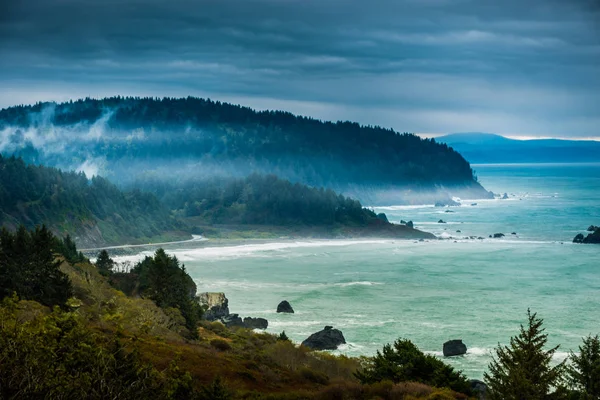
(376, 291)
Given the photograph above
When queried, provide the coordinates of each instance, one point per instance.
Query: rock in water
(217, 305)
(410, 224)
(256, 323)
(441, 221)
(382, 217)
(327, 339)
(505, 196)
(593, 237)
(592, 228)
(498, 235)
(454, 348)
(285, 307)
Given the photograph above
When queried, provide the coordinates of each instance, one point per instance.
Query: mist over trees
(69, 202)
(137, 138)
(260, 199)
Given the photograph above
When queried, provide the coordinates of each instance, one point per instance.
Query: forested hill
(127, 139)
(92, 211)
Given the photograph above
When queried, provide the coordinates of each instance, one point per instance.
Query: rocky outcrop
(232, 320)
(216, 305)
(593, 228)
(382, 217)
(441, 221)
(410, 224)
(285, 307)
(592, 238)
(505, 196)
(498, 235)
(255, 323)
(217, 309)
(454, 347)
(327, 339)
(478, 388)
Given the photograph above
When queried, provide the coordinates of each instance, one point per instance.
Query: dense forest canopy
(260, 199)
(91, 210)
(128, 139)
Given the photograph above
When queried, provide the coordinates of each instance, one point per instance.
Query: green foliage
(164, 281)
(69, 202)
(265, 200)
(584, 371)
(283, 336)
(404, 362)
(29, 267)
(215, 391)
(523, 369)
(68, 249)
(104, 263)
(56, 356)
(220, 344)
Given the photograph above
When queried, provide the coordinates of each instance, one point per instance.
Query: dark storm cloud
(514, 67)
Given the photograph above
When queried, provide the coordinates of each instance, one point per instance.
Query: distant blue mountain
(482, 148)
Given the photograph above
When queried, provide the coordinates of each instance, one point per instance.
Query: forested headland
(95, 212)
(130, 140)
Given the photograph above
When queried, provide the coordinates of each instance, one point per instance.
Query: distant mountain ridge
(130, 140)
(482, 148)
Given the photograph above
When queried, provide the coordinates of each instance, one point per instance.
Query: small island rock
(255, 323)
(498, 235)
(285, 307)
(441, 221)
(592, 238)
(327, 339)
(454, 347)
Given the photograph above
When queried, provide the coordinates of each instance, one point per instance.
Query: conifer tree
(584, 371)
(104, 263)
(522, 370)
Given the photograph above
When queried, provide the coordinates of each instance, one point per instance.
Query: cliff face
(216, 304)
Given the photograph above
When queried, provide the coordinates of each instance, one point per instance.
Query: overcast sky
(528, 68)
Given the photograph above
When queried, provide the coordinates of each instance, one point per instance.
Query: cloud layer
(528, 68)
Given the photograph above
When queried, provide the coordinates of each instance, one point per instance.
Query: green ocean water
(477, 290)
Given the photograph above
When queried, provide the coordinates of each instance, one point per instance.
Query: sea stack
(327, 339)
(285, 307)
(454, 347)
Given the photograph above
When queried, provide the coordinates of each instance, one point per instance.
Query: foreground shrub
(56, 356)
(404, 362)
(220, 344)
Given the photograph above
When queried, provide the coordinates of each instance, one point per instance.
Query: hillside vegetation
(99, 343)
(98, 213)
(133, 139)
(92, 211)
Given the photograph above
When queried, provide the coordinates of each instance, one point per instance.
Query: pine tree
(584, 371)
(522, 370)
(104, 263)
